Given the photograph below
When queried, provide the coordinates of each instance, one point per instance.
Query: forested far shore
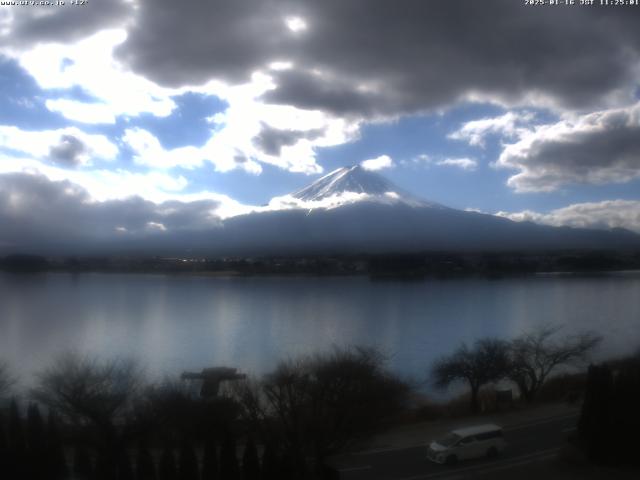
(424, 264)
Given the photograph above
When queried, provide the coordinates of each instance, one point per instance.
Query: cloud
(426, 161)
(25, 27)
(424, 56)
(149, 152)
(299, 76)
(249, 132)
(67, 147)
(597, 148)
(70, 151)
(379, 163)
(34, 209)
(296, 24)
(510, 125)
(280, 135)
(88, 64)
(271, 140)
(104, 184)
(93, 113)
(462, 163)
(600, 215)
(290, 202)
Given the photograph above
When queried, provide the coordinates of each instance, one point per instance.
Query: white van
(464, 443)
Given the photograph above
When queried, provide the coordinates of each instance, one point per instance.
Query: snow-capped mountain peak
(355, 183)
(353, 179)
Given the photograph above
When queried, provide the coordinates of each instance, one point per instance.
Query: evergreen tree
(35, 428)
(36, 444)
(145, 466)
(286, 466)
(188, 462)
(270, 468)
(167, 470)
(106, 466)
(125, 472)
(210, 469)
(250, 462)
(625, 414)
(229, 469)
(594, 423)
(4, 446)
(55, 459)
(17, 458)
(82, 464)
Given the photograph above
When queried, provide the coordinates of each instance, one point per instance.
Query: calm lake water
(171, 323)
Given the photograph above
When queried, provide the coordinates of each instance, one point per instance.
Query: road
(526, 443)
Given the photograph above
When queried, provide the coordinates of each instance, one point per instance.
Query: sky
(119, 117)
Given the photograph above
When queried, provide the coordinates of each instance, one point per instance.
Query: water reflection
(173, 323)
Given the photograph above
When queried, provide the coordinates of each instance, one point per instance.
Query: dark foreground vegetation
(610, 418)
(91, 419)
(417, 265)
(105, 423)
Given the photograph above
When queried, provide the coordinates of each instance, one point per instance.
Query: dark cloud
(600, 147)
(31, 25)
(375, 57)
(193, 41)
(69, 152)
(38, 212)
(271, 140)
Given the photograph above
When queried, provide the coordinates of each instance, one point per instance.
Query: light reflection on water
(173, 323)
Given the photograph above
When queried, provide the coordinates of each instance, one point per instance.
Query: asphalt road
(526, 443)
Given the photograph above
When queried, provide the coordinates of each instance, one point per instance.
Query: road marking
(354, 469)
(504, 464)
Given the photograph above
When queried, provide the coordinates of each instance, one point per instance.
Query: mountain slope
(376, 216)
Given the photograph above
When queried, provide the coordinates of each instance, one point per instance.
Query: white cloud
(288, 202)
(89, 64)
(601, 215)
(295, 24)
(156, 226)
(379, 163)
(234, 144)
(103, 184)
(462, 163)
(597, 148)
(511, 125)
(149, 152)
(425, 161)
(92, 113)
(116, 91)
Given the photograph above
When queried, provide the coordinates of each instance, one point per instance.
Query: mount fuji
(353, 210)
(362, 184)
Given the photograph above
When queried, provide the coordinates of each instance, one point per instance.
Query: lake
(171, 323)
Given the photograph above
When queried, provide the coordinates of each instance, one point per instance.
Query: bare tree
(321, 403)
(6, 380)
(88, 391)
(535, 355)
(487, 361)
